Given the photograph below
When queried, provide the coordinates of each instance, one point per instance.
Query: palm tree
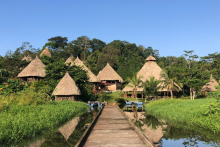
(170, 81)
(135, 82)
(151, 87)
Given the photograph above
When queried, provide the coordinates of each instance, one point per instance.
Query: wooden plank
(113, 130)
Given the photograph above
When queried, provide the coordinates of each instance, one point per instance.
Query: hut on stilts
(210, 86)
(109, 78)
(45, 52)
(66, 89)
(150, 69)
(34, 71)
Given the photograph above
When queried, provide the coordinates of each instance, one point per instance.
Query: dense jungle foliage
(126, 58)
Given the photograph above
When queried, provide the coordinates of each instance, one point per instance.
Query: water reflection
(164, 134)
(69, 134)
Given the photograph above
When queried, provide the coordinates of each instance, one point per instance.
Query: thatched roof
(70, 60)
(108, 73)
(150, 58)
(66, 86)
(150, 69)
(210, 86)
(34, 69)
(27, 58)
(78, 62)
(45, 52)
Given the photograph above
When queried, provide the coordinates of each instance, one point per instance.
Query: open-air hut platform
(150, 69)
(66, 89)
(78, 62)
(210, 86)
(45, 52)
(34, 71)
(110, 78)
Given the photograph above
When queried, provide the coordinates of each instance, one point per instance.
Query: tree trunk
(171, 92)
(194, 94)
(136, 94)
(191, 93)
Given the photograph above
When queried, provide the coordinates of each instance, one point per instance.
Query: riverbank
(21, 122)
(187, 113)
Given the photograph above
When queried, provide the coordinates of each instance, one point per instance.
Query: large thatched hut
(66, 89)
(150, 69)
(78, 62)
(27, 58)
(210, 86)
(45, 52)
(34, 71)
(110, 78)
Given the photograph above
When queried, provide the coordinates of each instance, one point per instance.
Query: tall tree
(151, 87)
(83, 43)
(195, 75)
(57, 43)
(135, 82)
(169, 80)
(97, 45)
(109, 54)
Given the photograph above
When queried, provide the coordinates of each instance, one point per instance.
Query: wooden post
(142, 95)
(132, 107)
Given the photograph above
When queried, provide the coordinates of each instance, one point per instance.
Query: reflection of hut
(110, 78)
(150, 69)
(66, 89)
(45, 52)
(68, 129)
(210, 86)
(27, 58)
(78, 62)
(34, 71)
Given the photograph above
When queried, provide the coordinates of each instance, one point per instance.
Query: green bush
(121, 102)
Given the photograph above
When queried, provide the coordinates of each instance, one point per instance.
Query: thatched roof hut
(150, 69)
(70, 60)
(109, 74)
(78, 62)
(210, 86)
(27, 58)
(34, 69)
(45, 52)
(66, 89)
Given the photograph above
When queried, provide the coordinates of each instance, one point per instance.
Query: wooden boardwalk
(113, 130)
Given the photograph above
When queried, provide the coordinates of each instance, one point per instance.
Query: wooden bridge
(113, 129)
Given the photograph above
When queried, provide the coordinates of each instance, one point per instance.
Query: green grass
(187, 112)
(20, 122)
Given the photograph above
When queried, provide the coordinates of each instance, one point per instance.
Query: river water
(165, 134)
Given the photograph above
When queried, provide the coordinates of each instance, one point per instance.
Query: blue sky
(170, 26)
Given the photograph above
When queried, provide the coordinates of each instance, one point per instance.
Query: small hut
(34, 71)
(27, 58)
(150, 69)
(110, 78)
(210, 86)
(45, 52)
(78, 62)
(66, 89)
